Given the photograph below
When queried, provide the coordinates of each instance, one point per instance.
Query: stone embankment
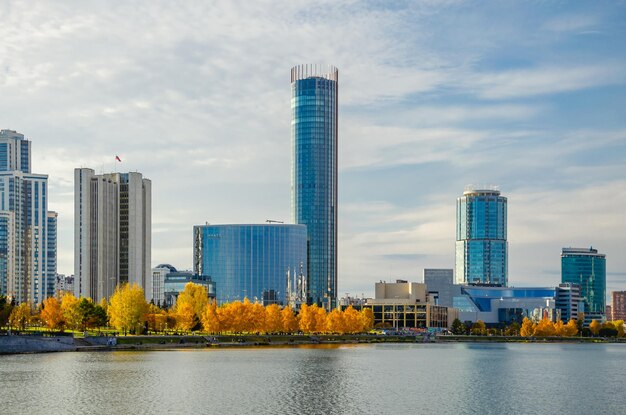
(11, 344)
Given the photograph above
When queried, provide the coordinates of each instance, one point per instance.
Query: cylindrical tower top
(312, 70)
(482, 190)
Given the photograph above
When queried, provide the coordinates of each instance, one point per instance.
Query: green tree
(479, 328)
(5, 310)
(513, 329)
(458, 327)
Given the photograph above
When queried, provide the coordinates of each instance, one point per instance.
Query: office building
(314, 174)
(619, 305)
(568, 301)
(168, 283)
(251, 261)
(481, 238)
(440, 283)
(587, 268)
(609, 313)
(112, 232)
(27, 229)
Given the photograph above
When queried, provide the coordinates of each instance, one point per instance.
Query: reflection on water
(321, 379)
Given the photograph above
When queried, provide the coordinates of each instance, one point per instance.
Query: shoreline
(29, 344)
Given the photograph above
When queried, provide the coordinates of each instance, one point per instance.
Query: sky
(433, 96)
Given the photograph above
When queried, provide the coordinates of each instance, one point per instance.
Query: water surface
(388, 378)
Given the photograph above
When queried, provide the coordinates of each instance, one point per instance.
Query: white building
(112, 232)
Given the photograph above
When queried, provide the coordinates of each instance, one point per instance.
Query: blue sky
(434, 95)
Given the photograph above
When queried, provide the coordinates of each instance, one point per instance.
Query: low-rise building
(403, 305)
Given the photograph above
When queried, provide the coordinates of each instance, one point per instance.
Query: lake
(460, 378)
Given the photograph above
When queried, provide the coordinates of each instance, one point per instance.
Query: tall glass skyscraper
(314, 173)
(587, 268)
(27, 230)
(250, 261)
(481, 245)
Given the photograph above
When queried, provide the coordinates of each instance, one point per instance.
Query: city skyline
(540, 114)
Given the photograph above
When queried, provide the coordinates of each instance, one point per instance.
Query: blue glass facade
(250, 261)
(587, 268)
(481, 238)
(314, 174)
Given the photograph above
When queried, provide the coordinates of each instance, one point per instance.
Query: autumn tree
(273, 319)
(210, 319)
(570, 329)
(352, 320)
(127, 307)
(367, 319)
(335, 322)
(306, 318)
(71, 312)
(20, 316)
(595, 326)
(545, 328)
(51, 314)
(196, 296)
(528, 328)
(513, 329)
(185, 316)
(559, 328)
(320, 319)
(289, 321)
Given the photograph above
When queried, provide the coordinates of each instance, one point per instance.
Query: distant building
(568, 301)
(587, 268)
(405, 305)
(440, 283)
(168, 282)
(63, 284)
(481, 238)
(314, 180)
(619, 305)
(112, 232)
(27, 229)
(609, 313)
(251, 261)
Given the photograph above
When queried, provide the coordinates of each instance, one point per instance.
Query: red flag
(118, 159)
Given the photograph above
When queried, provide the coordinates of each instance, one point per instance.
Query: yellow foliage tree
(367, 319)
(320, 320)
(273, 319)
(289, 321)
(559, 328)
(127, 307)
(306, 318)
(528, 327)
(619, 325)
(20, 316)
(71, 312)
(195, 295)
(545, 328)
(352, 320)
(185, 316)
(570, 329)
(51, 313)
(595, 326)
(210, 319)
(256, 317)
(335, 322)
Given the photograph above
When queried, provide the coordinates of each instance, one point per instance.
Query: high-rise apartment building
(27, 230)
(587, 268)
(112, 232)
(619, 305)
(314, 124)
(481, 238)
